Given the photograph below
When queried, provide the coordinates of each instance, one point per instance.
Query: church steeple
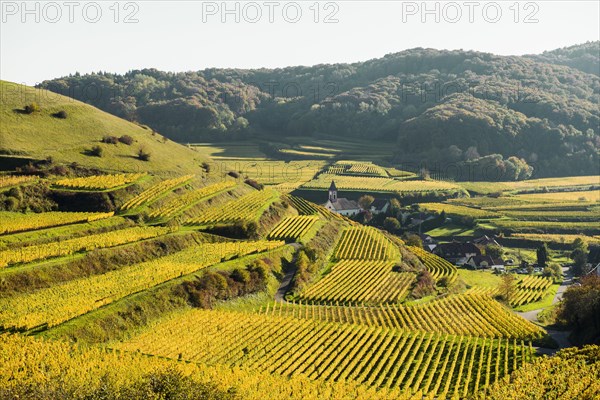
(332, 192)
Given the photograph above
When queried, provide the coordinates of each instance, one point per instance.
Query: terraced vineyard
(380, 184)
(361, 281)
(187, 200)
(97, 182)
(12, 180)
(150, 195)
(246, 208)
(435, 364)
(437, 266)
(85, 243)
(356, 168)
(530, 289)
(76, 297)
(19, 222)
(452, 209)
(468, 314)
(303, 206)
(365, 243)
(293, 228)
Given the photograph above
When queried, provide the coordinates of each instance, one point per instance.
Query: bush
(206, 166)
(233, 174)
(31, 108)
(62, 114)
(97, 151)
(254, 184)
(126, 139)
(143, 154)
(11, 204)
(110, 139)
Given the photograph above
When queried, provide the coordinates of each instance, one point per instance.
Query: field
(97, 182)
(246, 208)
(364, 243)
(293, 228)
(374, 356)
(151, 194)
(12, 180)
(360, 281)
(580, 182)
(469, 314)
(437, 266)
(16, 222)
(41, 135)
(68, 300)
(180, 203)
(379, 184)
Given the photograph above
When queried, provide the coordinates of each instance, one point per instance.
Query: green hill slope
(41, 134)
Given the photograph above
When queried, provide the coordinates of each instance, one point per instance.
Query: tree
(507, 287)
(365, 201)
(579, 257)
(391, 224)
(494, 251)
(97, 151)
(31, 108)
(395, 208)
(580, 309)
(553, 271)
(413, 240)
(143, 154)
(542, 255)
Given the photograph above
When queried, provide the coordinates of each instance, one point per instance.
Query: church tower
(332, 192)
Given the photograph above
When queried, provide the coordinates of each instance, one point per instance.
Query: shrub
(11, 203)
(62, 114)
(206, 166)
(143, 154)
(97, 151)
(126, 139)
(254, 184)
(110, 139)
(31, 108)
(233, 174)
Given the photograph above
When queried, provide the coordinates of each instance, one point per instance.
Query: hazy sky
(191, 35)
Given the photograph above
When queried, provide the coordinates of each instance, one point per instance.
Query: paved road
(287, 278)
(561, 337)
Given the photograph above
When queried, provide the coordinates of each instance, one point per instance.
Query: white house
(341, 205)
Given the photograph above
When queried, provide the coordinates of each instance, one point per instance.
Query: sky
(45, 40)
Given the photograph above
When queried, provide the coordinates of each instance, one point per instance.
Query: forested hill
(438, 106)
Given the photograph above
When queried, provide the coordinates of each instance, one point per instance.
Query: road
(561, 337)
(284, 286)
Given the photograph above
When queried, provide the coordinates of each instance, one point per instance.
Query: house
(429, 243)
(456, 252)
(484, 262)
(380, 206)
(341, 205)
(485, 240)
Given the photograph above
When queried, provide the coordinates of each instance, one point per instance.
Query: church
(341, 205)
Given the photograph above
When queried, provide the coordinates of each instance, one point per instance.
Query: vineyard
(293, 228)
(468, 314)
(530, 289)
(356, 168)
(437, 266)
(435, 364)
(150, 195)
(18, 222)
(380, 184)
(97, 182)
(365, 243)
(13, 180)
(304, 207)
(180, 203)
(76, 297)
(452, 209)
(71, 246)
(361, 281)
(246, 208)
